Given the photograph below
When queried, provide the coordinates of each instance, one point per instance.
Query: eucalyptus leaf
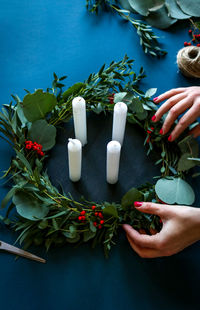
(73, 90)
(136, 106)
(110, 210)
(43, 133)
(150, 92)
(87, 235)
(37, 105)
(29, 207)
(174, 191)
(160, 18)
(119, 97)
(74, 239)
(175, 10)
(190, 7)
(142, 7)
(189, 145)
(184, 163)
(132, 195)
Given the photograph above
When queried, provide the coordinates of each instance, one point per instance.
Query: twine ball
(188, 60)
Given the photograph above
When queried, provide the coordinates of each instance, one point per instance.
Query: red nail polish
(153, 118)
(169, 138)
(155, 99)
(137, 203)
(161, 131)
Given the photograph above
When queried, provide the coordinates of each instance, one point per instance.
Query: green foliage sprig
(46, 215)
(148, 40)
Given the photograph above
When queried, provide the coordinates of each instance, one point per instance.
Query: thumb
(195, 132)
(152, 208)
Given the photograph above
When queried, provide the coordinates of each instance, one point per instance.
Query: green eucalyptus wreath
(48, 216)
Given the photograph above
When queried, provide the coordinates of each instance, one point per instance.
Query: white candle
(119, 122)
(74, 159)
(113, 158)
(79, 116)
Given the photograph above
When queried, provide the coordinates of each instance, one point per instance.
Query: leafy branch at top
(148, 40)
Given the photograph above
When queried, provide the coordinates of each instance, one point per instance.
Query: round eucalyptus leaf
(28, 207)
(160, 18)
(190, 7)
(175, 10)
(37, 105)
(185, 164)
(142, 7)
(43, 133)
(175, 191)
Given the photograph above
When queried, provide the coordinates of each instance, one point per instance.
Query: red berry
(28, 146)
(95, 224)
(80, 218)
(99, 226)
(149, 131)
(100, 215)
(102, 222)
(148, 140)
(96, 214)
(83, 218)
(152, 128)
(82, 212)
(185, 44)
(189, 44)
(40, 153)
(190, 31)
(93, 207)
(198, 45)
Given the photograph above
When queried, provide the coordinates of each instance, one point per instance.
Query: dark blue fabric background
(37, 39)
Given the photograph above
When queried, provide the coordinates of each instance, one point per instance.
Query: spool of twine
(188, 60)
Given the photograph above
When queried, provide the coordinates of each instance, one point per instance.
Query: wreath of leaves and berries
(42, 213)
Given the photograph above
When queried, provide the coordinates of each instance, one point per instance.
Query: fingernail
(137, 203)
(161, 131)
(170, 138)
(155, 99)
(153, 118)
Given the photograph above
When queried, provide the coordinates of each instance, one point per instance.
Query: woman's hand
(179, 100)
(181, 228)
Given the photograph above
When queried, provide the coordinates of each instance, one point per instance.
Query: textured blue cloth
(37, 39)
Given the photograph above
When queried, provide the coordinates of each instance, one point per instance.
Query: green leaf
(119, 97)
(37, 105)
(43, 133)
(174, 10)
(190, 7)
(29, 207)
(142, 7)
(23, 159)
(136, 106)
(150, 92)
(110, 210)
(8, 197)
(74, 239)
(185, 164)
(174, 191)
(132, 195)
(189, 145)
(21, 116)
(73, 90)
(87, 235)
(92, 227)
(160, 18)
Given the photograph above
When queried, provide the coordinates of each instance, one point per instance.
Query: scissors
(12, 249)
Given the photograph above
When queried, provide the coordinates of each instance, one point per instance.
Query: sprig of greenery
(148, 40)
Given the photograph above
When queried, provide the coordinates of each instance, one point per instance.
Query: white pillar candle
(74, 159)
(119, 122)
(113, 158)
(79, 116)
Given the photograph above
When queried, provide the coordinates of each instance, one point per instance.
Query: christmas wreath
(45, 214)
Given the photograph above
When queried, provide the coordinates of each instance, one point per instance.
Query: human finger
(141, 239)
(195, 132)
(165, 107)
(168, 94)
(152, 208)
(188, 118)
(143, 252)
(173, 114)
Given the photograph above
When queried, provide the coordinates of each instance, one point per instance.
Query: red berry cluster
(29, 145)
(195, 39)
(99, 218)
(149, 131)
(82, 217)
(111, 98)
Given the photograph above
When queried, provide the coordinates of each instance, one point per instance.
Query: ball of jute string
(188, 60)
